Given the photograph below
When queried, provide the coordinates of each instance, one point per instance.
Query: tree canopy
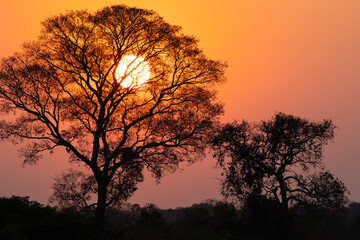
(280, 158)
(66, 93)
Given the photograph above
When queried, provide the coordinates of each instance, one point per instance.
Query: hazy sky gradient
(296, 57)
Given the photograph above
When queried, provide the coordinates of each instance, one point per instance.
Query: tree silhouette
(278, 158)
(66, 92)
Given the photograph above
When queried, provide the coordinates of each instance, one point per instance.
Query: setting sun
(132, 71)
(138, 106)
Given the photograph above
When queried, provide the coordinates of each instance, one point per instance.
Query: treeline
(21, 218)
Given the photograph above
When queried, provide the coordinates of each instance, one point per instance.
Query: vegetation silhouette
(280, 159)
(210, 220)
(65, 91)
(21, 218)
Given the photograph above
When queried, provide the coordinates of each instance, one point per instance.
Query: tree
(67, 92)
(74, 189)
(279, 158)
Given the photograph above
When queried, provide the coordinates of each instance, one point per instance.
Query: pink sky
(296, 57)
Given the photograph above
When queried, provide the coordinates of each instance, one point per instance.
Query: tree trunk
(284, 211)
(284, 220)
(101, 204)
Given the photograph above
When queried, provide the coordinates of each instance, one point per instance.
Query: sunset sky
(295, 57)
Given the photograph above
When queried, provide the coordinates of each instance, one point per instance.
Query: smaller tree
(279, 158)
(75, 189)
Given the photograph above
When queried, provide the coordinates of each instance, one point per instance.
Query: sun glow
(132, 71)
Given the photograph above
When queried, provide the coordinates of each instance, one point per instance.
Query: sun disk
(132, 71)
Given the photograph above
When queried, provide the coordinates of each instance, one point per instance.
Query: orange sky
(297, 57)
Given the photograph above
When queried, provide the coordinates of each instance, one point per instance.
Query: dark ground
(21, 219)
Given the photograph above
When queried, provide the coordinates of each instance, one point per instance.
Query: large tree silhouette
(66, 93)
(281, 159)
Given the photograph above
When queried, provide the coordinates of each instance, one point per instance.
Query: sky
(295, 57)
